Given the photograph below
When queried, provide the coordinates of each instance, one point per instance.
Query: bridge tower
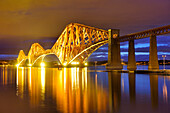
(153, 56)
(131, 56)
(114, 59)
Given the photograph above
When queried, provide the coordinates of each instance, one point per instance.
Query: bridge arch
(21, 56)
(41, 57)
(22, 61)
(35, 51)
(88, 51)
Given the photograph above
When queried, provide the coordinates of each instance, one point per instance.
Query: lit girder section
(21, 57)
(77, 42)
(88, 51)
(35, 51)
(156, 31)
(74, 39)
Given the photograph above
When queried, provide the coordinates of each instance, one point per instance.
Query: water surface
(81, 90)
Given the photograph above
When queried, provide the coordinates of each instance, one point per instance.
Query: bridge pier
(153, 57)
(131, 56)
(114, 59)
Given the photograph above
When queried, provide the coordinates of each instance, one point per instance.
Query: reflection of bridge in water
(78, 90)
(77, 42)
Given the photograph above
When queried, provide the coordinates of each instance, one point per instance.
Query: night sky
(23, 22)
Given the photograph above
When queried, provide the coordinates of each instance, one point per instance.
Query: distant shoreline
(14, 62)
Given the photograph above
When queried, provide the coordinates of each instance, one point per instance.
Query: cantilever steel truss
(77, 42)
(74, 39)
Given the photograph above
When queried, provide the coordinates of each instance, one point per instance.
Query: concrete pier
(114, 59)
(153, 57)
(131, 56)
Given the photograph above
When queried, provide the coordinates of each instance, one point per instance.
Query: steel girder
(74, 39)
(77, 42)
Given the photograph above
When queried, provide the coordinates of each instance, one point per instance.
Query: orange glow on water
(75, 90)
(66, 88)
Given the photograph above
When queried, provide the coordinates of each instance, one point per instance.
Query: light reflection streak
(6, 79)
(85, 77)
(96, 78)
(6, 75)
(165, 93)
(3, 75)
(123, 85)
(75, 78)
(22, 75)
(72, 73)
(65, 79)
(17, 82)
(22, 82)
(43, 82)
(30, 80)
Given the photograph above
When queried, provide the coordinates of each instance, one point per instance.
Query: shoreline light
(65, 64)
(30, 65)
(75, 63)
(85, 64)
(42, 64)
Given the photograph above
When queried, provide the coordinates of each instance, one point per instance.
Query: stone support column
(153, 57)
(131, 56)
(114, 59)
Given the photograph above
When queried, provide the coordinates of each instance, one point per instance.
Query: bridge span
(77, 42)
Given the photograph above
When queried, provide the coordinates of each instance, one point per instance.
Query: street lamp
(122, 61)
(164, 56)
(95, 64)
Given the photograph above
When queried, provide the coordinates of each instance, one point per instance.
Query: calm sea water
(82, 90)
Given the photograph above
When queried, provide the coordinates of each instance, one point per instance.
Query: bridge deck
(147, 33)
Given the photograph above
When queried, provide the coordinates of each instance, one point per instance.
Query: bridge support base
(153, 57)
(114, 60)
(131, 56)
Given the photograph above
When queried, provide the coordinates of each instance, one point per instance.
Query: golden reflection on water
(20, 81)
(71, 88)
(6, 76)
(30, 80)
(77, 90)
(42, 83)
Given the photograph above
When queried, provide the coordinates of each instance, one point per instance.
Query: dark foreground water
(81, 90)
